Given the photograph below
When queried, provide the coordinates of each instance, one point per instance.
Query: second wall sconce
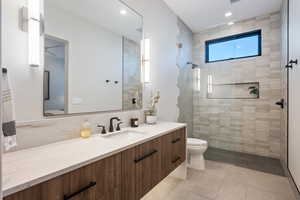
(33, 23)
(146, 61)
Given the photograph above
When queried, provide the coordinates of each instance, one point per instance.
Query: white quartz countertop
(25, 168)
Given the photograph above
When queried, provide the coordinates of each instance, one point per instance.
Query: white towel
(8, 115)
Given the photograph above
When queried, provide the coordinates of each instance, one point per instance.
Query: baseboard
(291, 180)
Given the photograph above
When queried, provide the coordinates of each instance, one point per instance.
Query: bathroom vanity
(123, 166)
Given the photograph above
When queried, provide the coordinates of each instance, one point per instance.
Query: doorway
(55, 76)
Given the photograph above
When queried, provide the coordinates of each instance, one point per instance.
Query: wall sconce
(146, 61)
(33, 24)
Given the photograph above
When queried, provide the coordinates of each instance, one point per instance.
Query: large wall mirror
(92, 56)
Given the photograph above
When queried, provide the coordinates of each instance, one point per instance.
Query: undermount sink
(124, 134)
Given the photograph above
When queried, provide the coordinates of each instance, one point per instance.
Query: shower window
(243, 45)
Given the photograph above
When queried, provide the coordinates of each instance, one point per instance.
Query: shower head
(193, 65)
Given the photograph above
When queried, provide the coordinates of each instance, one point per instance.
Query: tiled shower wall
(185, 78)
(253, 125)
(284, 147)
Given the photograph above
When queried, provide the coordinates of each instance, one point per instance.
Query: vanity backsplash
(38, 133)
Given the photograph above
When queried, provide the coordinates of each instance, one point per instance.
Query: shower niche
(249, 90)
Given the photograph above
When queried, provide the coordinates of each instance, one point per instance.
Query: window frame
(234, 37)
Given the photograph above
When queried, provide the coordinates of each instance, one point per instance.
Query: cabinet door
(53, 189)
(108, 178)
(167, 154)
(141, 169)
(76, 185)
(80, 184)
(173, 151)
(128, 174)
(33, 193)
(98, 181)
(148, 167)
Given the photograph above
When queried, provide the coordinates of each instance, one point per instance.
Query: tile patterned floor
(259, 163)
(222, 181)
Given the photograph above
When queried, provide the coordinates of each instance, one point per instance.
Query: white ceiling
(203, 14)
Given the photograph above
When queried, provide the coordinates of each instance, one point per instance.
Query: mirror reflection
(92, 59)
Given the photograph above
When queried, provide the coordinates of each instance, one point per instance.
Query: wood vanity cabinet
(128, 175)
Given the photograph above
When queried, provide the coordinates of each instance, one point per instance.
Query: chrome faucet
(111, 124)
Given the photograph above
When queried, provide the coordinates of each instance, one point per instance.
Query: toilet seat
(193, 142)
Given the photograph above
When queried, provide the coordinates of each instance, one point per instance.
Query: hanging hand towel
(8, 115)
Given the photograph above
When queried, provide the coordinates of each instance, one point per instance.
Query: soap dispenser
(86, 130)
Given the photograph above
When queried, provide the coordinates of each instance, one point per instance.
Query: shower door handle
(292, 63)
(280, 103)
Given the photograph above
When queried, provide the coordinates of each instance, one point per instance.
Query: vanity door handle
(176, 140)
(145, 156)
(67, 197)
(176, 159)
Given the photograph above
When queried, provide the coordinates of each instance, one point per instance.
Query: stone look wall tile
(251, 126)
(185, 78)
(283, 136)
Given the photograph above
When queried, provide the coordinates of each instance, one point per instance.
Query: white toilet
(196, 149)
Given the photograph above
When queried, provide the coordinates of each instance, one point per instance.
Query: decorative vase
(151, 119)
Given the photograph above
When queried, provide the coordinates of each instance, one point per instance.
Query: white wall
(26, 81)
(160, 25)
(94, 56)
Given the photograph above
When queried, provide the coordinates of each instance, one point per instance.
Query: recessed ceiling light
(228, 14)
(123, 12)
(230, 23)
(234, 1)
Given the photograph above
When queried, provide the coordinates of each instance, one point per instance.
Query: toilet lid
(196, 142)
